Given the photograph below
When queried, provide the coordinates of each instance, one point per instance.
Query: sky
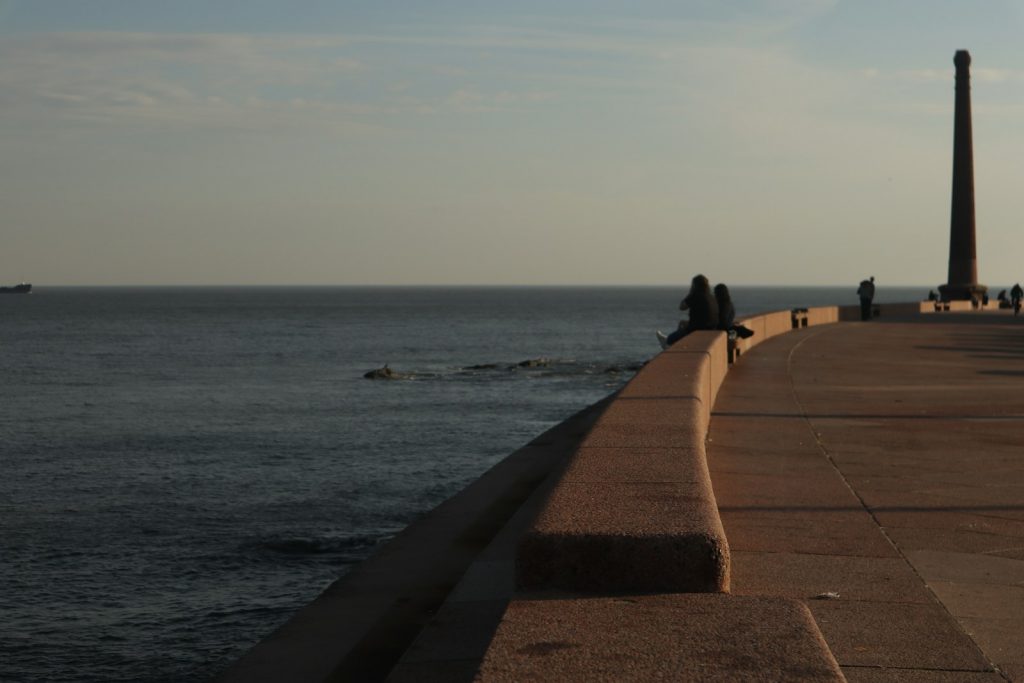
(773, 142)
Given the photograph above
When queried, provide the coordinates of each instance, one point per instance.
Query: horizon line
(458, 285)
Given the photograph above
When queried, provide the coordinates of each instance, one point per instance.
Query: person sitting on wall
(866, 292)
(727, 314)
(934, 296)
(703, 308)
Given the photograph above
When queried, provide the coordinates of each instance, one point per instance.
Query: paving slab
(754, 460)
(967, 567)
(950, 518)
(1000, 638)
(956, 540)
(818, 531)
(808, 577)
(783, 434)
(896, 635)
(810, 487)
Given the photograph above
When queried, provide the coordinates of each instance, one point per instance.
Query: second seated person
(727, 314)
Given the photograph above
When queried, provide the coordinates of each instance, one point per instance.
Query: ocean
(183, 468)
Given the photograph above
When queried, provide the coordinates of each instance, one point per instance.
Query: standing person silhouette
(703, 308)
(866, 292)
(1015, 296)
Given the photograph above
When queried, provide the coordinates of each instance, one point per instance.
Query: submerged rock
(535, 363)
(381, 373)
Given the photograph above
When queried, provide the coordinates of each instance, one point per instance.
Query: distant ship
(23, 288)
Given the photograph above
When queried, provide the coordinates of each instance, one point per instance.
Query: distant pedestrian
(703, 308)
(866, 292)
(1015, 296)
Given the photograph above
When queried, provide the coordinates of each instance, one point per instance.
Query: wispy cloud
(987, 75)
(247, 81)
(183, 78)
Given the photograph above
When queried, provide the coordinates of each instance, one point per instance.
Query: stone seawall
(614, 502)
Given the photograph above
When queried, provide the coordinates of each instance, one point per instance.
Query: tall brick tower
(963, 259)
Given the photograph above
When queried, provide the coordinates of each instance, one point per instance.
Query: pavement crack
(808, 419)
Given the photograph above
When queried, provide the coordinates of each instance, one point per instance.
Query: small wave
(316, 545)
(386, 373)
(529, 368)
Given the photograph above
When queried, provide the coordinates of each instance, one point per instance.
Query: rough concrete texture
(672, 375)
(675, 376)
(849, 313)
(715, 346)
(659, 637)
(779, 322)
(822, 315)
(768, 325)
(624, 538)
(635, 512)
(900, 310)
(756, 325)
(649, 423)
(876, 471)
(637, 466)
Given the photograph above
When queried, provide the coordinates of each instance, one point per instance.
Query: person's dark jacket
(703, 310)
(726, 311)
(726, 316)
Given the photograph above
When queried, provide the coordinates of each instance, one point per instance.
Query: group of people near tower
(1014, 300)
(708, 310)
(1016, 295)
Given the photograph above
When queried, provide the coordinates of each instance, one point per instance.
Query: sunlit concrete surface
(875, 471)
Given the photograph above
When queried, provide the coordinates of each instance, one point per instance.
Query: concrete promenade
(883, 463)
(869, 478)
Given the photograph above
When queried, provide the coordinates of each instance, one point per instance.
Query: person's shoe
(662, 339)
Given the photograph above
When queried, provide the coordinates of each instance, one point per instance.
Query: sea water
(183, 468)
